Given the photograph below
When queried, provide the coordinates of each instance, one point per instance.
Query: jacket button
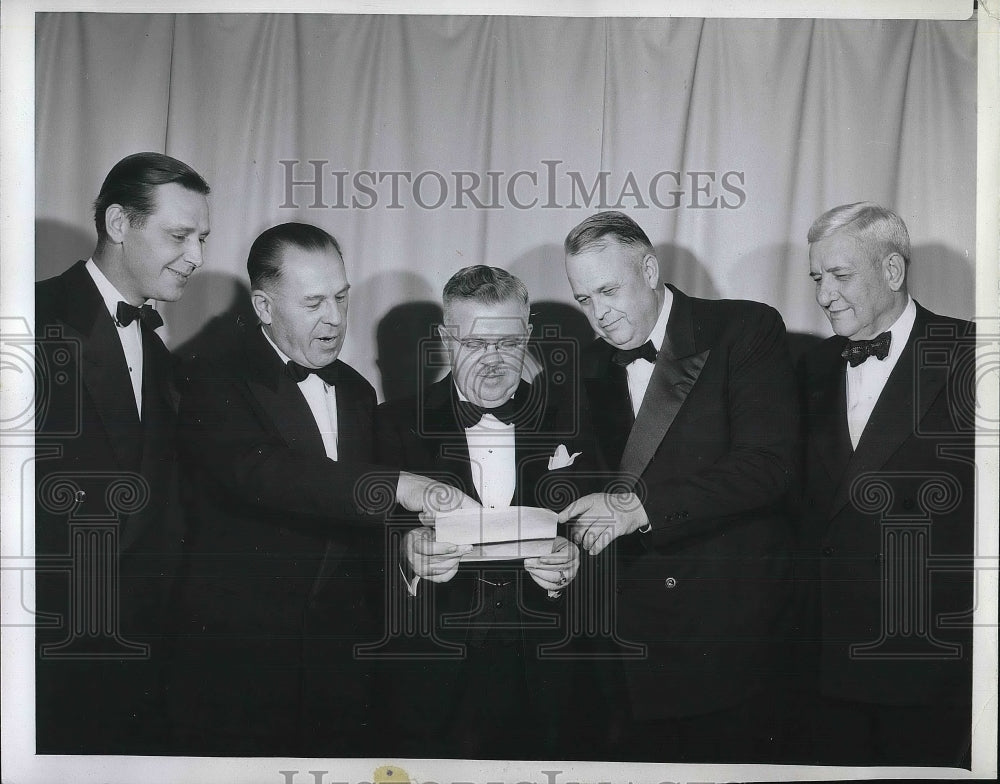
(499, 604)
(670, 582)
(828, 550)
(80, 496)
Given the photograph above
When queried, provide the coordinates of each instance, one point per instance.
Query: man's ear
(116, 222)
(261, 301)
(651, 270)
(894, 269)
(447, 333)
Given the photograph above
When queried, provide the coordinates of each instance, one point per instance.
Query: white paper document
(514, 532)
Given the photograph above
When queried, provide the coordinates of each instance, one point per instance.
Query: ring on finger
(562, 577)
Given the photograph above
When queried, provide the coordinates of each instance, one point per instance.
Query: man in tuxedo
(106, 488)
(694, 405)
(888, 505)
(476, 680)
(285, 508)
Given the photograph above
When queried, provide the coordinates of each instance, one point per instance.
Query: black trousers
(842, 732)
(751, 732)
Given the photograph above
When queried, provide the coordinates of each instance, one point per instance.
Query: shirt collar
(106, 288)
(660, 327)
(901, 328)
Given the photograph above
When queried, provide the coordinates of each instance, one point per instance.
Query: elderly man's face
(854, 292)
(616, 287)
(161, 254)
(305, 311)
(487, 345)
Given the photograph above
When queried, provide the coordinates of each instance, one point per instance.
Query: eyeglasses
(478, 345)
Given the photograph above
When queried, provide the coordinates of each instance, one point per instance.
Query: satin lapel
(895, 415)
(675, 373)
(103, 368)
(442, 436)
(280, 398)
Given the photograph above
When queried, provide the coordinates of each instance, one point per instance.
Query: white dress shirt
(493, 465)
(866, 381)
(322, 401)
(491, 453)
(641, 370)
(130, 336)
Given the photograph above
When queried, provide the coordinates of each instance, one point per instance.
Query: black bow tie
(299, 373)
(626, 356)
(146, 315)
(858, 351)
(469, 414)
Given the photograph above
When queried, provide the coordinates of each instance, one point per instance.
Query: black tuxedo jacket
(277, 552)
(911, 482)
(711, 454)
(92, 447)
(423, 435)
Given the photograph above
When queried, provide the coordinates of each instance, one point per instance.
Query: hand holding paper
(595, 520)
(430, 559)
(555, 571)
(430, 498)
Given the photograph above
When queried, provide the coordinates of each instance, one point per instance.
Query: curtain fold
(439, 142)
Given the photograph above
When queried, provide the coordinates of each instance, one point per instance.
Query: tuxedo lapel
(443, 436)
(899, 408)
(280, 397)
(283, 403)
(678, 365)
(103, 370)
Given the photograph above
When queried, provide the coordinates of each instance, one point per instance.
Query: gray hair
(879, 230)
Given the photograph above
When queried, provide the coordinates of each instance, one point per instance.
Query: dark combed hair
(264, 261)
(597, 228)
(131, 183)
(489, 285)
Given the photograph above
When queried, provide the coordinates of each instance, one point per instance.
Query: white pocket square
(562, 458)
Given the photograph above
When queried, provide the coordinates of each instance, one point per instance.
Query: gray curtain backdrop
(445, 141)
